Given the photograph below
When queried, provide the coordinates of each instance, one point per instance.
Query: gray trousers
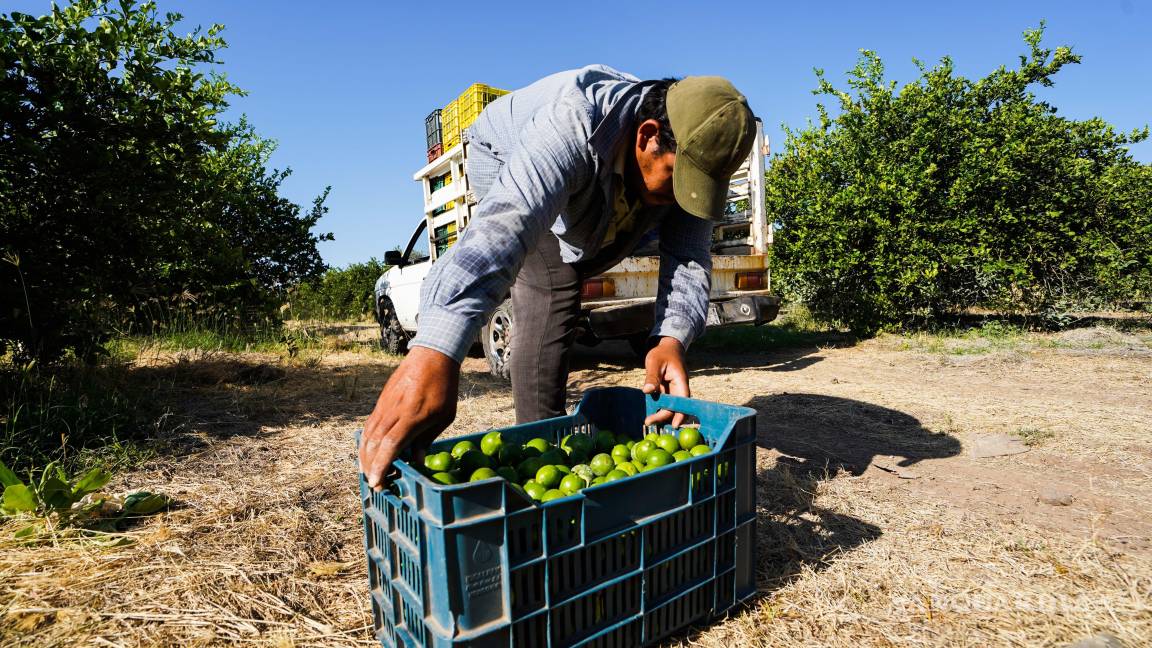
(545, 307)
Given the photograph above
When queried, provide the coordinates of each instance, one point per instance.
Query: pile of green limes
(546, 472)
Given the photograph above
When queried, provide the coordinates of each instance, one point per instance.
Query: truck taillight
(750, 281)
(595, 288)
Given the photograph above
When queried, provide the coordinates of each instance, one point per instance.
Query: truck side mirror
(394, 258)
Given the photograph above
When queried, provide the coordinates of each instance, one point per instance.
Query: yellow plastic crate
(463, 110)
(450, 123)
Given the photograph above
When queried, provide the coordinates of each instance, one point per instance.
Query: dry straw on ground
(875, 527)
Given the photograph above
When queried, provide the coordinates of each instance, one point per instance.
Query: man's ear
(647, 134)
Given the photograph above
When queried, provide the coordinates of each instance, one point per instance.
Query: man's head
(691, 136)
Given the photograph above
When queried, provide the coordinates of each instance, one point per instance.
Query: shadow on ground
(604, 361)
(814, 438)
(215, 397)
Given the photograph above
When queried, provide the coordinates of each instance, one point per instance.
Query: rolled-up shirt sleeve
(685, 276)
(466, 284)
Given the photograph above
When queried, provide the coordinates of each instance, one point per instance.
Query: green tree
(121, 194)
(340, 293)
(950, 193)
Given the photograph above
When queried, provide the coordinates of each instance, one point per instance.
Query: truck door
(404, 287)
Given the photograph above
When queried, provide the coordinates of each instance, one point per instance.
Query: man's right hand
(416, 405)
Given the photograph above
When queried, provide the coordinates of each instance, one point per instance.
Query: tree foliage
(340, 293)
(950, 193)
(121, 194)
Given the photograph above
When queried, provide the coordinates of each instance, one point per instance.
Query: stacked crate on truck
(433, 135)
(463, 110)
(445, 186)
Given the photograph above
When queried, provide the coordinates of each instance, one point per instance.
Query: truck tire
(393, 339)
(496, 338)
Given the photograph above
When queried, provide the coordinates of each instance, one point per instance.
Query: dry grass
(875, 528)
(868, 565)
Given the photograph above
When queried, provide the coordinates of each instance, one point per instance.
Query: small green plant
(1033, 437)
(59, 502)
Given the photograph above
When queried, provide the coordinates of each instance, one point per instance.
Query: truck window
(417, 250)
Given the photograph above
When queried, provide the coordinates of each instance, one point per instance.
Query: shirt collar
(611, 129)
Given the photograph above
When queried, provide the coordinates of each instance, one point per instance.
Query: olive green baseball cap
(714, 130)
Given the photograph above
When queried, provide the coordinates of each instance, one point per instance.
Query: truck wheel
(393, 339)
(496, 337)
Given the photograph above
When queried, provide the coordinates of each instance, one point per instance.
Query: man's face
(652, 181)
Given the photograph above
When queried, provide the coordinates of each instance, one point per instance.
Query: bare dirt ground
(880, 523)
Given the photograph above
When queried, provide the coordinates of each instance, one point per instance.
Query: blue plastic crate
(621, 564)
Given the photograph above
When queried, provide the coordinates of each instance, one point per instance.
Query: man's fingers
(659, 418)
(393, 442)
(375, 429)
(384, 451)
(652, 377)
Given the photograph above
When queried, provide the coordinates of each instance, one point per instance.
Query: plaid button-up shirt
(540, 160)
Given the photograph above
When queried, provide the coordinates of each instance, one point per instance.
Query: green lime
(508, 473)
(583, 471)
(640, 450)
(482, 473)
(651, 436)
(552, 494)
(572, 484)
(539, 444)
(638, 466)
(439, 462)
(605, 440)
(461, 447)
(553, 456)
(491, 443)
(510, 454)
(534, 490)
(473, 459)
(527, 452)
(445, 477)
(587, 443)
(628, 444)
(690, 437)
(527, 468)
(602, 464)
(577, 456)
(657, 458)
(599, 480)
(564, 470)
(700, 450)
(627, 467)
(548, 476)
(668, 443)
(576, 442)
(615, 474)
(621, 453)
(681, 455)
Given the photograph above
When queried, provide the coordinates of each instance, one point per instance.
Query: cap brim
(697, 192)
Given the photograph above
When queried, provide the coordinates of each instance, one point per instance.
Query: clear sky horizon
(344, 87)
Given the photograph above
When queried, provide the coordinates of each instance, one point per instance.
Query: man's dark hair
(655, 106)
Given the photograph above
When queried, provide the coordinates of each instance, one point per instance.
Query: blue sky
(344, 86)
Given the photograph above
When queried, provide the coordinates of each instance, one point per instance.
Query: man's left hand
(665, 374)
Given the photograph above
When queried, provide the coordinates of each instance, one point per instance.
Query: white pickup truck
(618, 304)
